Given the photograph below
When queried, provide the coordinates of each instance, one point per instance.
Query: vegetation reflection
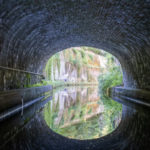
(77, 112)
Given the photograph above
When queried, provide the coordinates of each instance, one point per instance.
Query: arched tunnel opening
(80, 107)
(32, 31)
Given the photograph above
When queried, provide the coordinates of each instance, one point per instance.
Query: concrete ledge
(15, 119)
(12, 98)
(129, 95)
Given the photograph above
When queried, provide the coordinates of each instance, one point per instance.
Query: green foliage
(78, 55)
(70, 58)
(82, 53)
(28, 80)
(91, 57)
(85, 61)
(75, 62)
(74, 50)
(52, 62)
(110, 79)
(111, 75)
(94, 50)
(48, 68)
(57, 60)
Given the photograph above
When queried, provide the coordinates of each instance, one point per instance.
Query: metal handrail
(18, 70)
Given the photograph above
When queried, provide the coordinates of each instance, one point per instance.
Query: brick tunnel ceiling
(31, 31)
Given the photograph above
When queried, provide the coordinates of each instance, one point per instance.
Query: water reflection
(79, 113)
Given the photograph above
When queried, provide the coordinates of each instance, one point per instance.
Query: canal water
(79, 113)
(72, 114)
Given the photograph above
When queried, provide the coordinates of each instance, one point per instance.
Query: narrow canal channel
(73, 113)
(78, 112)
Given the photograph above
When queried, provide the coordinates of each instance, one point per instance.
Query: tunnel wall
(10, 79)
(32, 31)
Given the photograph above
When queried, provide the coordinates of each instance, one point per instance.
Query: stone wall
(10, 79)
(32, 31)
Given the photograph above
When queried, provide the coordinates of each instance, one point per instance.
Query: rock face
(32, 31)
(75, 66)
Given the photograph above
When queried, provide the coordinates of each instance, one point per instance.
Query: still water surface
(79, 113)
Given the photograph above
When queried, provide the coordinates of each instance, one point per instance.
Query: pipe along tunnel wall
(32, 31)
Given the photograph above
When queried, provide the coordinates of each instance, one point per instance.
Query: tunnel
(31, 31)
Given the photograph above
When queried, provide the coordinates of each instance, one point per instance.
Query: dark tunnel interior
(32, 31)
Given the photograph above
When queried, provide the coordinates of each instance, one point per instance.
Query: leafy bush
(91, 57)
(110, 79)
(74, 50)
(82, 53)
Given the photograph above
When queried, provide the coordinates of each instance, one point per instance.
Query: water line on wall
(18, 70)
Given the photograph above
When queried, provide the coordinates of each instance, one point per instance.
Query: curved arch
(36, 30)
(32, 31)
